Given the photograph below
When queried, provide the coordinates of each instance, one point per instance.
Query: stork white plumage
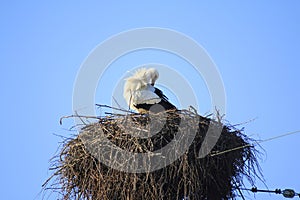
(141, 95)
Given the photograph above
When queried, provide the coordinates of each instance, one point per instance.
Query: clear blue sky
(256, 46)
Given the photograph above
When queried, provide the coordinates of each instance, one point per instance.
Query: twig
(120, 109)
(246, 122)
(80, 116)
(117, 102)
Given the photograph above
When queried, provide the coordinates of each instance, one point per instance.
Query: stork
(141, 95)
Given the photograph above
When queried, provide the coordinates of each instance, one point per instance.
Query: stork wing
(160, 94)
(145, 97)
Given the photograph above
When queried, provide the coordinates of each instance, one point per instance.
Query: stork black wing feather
(160, 94)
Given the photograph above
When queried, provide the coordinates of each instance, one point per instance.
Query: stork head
(152, 75)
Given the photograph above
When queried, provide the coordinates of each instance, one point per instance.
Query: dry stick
(129, 103)
(246, 122)
(80, 116)
(240, 192)
(110, 113)
(229, 150)
(252, 145)
(92, 117)
(115, 100)
(106, 106)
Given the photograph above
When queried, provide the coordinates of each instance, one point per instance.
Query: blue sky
(255, 45)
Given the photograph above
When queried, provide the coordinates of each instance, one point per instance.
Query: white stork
(141, 95)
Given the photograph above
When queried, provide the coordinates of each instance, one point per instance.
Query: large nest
(80, 172)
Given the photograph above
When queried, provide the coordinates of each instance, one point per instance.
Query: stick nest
(80, 173)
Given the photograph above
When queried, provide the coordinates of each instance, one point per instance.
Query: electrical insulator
(288, 193)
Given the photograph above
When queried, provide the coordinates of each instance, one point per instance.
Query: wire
(252, 145)
(280, 136)
(287, 193)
